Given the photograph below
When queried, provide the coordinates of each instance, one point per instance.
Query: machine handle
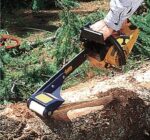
(122, 59)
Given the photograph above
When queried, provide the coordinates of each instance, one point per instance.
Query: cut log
(121, 115)
(115, 114)
(72, 111)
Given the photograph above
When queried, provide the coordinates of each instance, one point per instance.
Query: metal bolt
(52, 86)
(49, 113)
(63, 76)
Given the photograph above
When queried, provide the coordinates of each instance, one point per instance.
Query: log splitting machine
(111, 53)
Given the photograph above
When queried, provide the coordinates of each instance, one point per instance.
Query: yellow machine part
(43, 98)
(112, 58)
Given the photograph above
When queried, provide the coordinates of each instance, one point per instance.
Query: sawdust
(118, 114)
(17, 111)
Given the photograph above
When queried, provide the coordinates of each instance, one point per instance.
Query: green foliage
(66, 35)
(148, 4)
(3, 32)
(23, 72)
(37, 5)
(93, 17)
(143, 43)
(67, 4)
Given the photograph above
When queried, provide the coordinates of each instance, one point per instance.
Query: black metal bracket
(89, 35)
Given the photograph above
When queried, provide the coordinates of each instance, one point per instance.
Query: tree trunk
(116, 114)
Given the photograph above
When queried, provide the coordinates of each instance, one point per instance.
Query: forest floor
(30, 26)
(121, 103)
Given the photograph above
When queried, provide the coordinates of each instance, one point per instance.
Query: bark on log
(117, 114)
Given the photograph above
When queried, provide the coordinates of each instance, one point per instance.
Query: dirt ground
(29, 26)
